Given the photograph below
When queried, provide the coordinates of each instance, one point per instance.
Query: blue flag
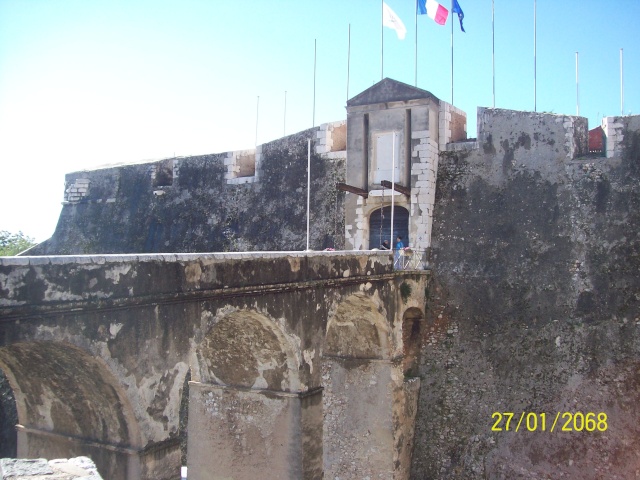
(422, 7)
(456, 9)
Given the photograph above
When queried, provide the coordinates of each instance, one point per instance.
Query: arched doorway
(412, 322)
(69, 403)
(380, 225)
(8, 419)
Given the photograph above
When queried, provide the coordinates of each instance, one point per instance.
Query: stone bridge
(293, 365)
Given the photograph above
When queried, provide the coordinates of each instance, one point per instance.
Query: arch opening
(412, 326)
(8, 419)
(68, 404)
(380, 226)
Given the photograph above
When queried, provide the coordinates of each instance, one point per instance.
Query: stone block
(419, 134)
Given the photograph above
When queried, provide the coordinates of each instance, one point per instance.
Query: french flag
(434, 10)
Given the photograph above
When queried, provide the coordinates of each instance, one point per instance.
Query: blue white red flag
(456, 9)
(434, 10)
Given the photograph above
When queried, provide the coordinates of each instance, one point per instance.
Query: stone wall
(534, 305)
(98, 350)
(237, 201)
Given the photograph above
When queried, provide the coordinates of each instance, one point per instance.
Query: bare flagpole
(577, 88)
(284, 127)
(535, 108)
(348, 59)
(621, 86)
(257, 114)
(393, 182)
(415, 63)
(493, 50)
(314, 80)
(308, 186)
(381, 39)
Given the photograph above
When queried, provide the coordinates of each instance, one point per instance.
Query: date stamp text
(541, 422)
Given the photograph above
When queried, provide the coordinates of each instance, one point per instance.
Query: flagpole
(314, 80)
(308, 186)
(493, 50)
(284, 126)
(621, 86)
(257, 114)
(535, 107)
(577, 88)
(415, 63)
(452, 53)
(393, 182)
(381, 39)
(348, 59)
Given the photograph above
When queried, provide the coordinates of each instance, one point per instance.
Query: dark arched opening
(380, 226)
(412, 321)
(8, 420)
(68, 404)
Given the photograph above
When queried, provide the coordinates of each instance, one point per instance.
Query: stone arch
(358, 329)
(247, 349)
(412, 325)
(8, 419)
(70, 404)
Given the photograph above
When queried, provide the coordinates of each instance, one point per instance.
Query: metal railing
(410, 259)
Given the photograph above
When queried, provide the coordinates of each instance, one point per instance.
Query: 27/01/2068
(569, 422)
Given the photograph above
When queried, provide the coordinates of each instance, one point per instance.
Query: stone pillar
(244, 433)
(369, 407)
(250, 416)
(369, 419)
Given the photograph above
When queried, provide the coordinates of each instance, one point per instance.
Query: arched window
(382, 218)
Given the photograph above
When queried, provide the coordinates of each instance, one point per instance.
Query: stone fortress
(336, 364)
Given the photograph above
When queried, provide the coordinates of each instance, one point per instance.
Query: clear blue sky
(93, 82)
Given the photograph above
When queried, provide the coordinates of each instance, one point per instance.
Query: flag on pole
(434, 10)
(391, 20)
(456, 9)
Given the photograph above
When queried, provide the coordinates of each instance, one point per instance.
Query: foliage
(405, 291)
(14, 243)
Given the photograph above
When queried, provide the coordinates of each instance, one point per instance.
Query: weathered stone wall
(614, 130)
(208, 203)
(535, 304)
(97, 350)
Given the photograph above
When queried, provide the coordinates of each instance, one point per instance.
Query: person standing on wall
(398, 252)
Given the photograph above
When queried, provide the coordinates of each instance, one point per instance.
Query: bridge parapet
(109, 279)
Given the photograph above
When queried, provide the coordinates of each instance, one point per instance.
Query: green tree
(14, 243)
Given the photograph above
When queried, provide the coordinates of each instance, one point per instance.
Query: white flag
(391, 20)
